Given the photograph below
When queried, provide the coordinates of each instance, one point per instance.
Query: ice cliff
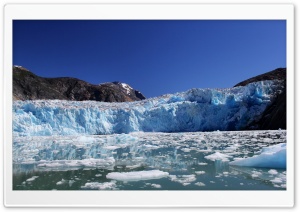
(193, 110)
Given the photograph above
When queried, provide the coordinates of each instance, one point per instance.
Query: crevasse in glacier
(193, 110)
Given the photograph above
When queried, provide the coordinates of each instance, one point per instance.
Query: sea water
(146, 161)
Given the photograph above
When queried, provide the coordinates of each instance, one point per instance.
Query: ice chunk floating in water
(100, 186)
(218, 156)
(193, 110)
(136, 176)
(270, 157)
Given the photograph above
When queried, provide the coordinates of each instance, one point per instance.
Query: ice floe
(202, 164)
(199, 172)
(155, 185)
(183, 179)
(272, 171)
(137, 175)
(32, 178)
(218, 156)
(63, 181)
(100, 186)
(200, 184)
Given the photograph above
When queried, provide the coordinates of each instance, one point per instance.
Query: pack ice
(193, 110)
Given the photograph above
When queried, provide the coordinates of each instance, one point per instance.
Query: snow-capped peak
(17, 66)
(20, 68)
(127, 88)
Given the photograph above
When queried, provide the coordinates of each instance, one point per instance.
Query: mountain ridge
(279, 74)
(29, 86)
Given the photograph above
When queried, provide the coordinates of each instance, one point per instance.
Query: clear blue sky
(154, 57)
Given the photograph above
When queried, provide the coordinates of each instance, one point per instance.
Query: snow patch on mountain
(127, 88)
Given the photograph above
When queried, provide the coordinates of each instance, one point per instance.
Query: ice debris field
(158, 143)
(193, 110)
(191, 160)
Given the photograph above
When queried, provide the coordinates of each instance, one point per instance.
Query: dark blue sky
(155, 57)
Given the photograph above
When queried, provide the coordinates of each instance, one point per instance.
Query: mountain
(28, 86)
(274, 117)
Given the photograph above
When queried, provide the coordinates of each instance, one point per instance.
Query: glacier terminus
(193, 110)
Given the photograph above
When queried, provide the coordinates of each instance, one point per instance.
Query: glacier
(193, 110)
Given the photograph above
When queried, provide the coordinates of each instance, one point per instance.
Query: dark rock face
(274, 117)
(279, 74)
(28, 86)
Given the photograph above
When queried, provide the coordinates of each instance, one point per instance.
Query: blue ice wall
(193, 110)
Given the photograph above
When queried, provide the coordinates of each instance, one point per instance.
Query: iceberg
(190, 111)
(270, 157)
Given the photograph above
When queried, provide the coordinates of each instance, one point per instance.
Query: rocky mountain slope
(274, 117)
(279, 74)
(28, 86)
